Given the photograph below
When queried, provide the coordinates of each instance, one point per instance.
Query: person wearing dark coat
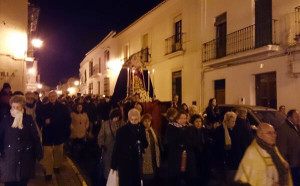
(212, 114)
(127, 153)
(227, 148)
(202, 149)
(288, 142)
(244, 132)
(181, 151)
(20, 145)
(54, 121)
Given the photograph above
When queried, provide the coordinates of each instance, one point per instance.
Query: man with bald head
(262, 163)
(288, 142)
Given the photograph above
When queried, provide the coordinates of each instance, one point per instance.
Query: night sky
(70, 28)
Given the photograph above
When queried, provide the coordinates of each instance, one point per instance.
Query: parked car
(256, 114)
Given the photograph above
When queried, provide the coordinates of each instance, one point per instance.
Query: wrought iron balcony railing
(238, 41)
(297, 21)
(173, 43)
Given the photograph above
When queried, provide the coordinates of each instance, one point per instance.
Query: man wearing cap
(54, 120)
(262, 163)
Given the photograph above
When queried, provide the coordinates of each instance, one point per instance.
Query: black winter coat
(58, 131)
(227, 159)
(125, 156)
(178, 140)
(19, 149)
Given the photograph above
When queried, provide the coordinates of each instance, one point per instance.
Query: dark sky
(70, 28)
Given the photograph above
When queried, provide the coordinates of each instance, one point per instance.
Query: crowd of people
(191, 149)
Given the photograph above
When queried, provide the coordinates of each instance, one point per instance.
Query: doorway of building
(221, 31)
(177, 85)
(220, 91)
(266, 91)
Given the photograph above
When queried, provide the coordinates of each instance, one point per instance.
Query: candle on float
(149, 81)
(133, 81)
(128, 79)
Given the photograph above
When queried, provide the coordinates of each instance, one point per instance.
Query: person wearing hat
(127, 153)
(20, 145)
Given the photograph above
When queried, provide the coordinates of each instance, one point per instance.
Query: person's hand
(47, 121)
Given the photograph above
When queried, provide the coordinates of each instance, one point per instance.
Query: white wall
(13, 45)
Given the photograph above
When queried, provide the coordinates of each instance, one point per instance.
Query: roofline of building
(143, 16)
(111, 33)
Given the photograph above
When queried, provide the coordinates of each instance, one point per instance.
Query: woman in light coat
(79, 127)
(80, 123)
(107, 137)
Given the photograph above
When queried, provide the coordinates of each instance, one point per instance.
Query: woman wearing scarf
(20, 145)
(151, 157)
(181, 144)
(127, 153)
(226, 149)
(107, 137)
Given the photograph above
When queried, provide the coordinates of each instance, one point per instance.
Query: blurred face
(268, 135)
(185, 107)
(147, 123)
(16, 106)
(175, 99)
(115, 119)
(79, 108)
(7, 90)
(282, 110)
(30, 100)
(243, 115)
(52, 97)
(134, 120)
(182, 119)
(139, 107)
(295, 118)
(214, 102)
(198, 123)
(231, 122)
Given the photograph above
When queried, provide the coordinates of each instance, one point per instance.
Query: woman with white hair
(20, 145)
(227, 146)
(127, 153)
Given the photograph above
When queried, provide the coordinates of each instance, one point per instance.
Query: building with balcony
(241, 52)
(250, 52)
(165, 40)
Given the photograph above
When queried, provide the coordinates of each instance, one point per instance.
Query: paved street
(68, 176)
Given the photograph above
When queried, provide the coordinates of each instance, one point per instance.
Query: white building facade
(251, 52)
(18, 18)
(239, 51)
(13, 45)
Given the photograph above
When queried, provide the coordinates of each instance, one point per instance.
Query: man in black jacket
(288, 142)
(54, 120)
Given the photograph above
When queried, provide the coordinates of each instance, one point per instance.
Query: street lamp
(37, 43)
(32, 71)
(39, 86)
(76, 83)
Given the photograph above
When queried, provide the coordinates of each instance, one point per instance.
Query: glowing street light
(39, 86)
(71, 90)
(32, 71)
(76, 83)
(37, 43)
